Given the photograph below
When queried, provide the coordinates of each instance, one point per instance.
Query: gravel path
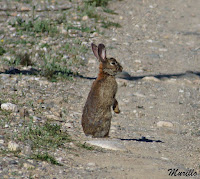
(158, 128)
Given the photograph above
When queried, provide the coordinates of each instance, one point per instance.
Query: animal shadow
(143, 139)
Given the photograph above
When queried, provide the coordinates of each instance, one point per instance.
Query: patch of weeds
(196, 133)
(22, 41)
(37, 26)
(110, 24)
(23, 59)
(44, 136)
(2, 51)
(19, 59)
(102, 3)
(23, 1)
(5, 117)
(52, 70)
(85, 146)
(2, 32)
(75, 49)
(46, 157)
(109, 11)
(15, 153)
(45, 45)
(90, 11)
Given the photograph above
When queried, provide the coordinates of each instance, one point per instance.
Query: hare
(96, 117)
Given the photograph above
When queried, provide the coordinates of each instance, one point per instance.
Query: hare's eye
(113, 63)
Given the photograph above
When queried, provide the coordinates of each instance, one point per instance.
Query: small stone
(140, 71)
(138, 61)
(139, 95)
(9, 107)
(12, 146)
(91, 164)
(181, 91)
(35, 118)
(164, 124)
(1, 141)
(121, 17)
(164, 158)
(23, 8)
(95, 34)
(27, 150)
(12, 29)
(92, 61)
(28, 165)
(68, 125)
(6, 126)
(163, 50)
(52, 117)
(84, 18)
(108, 144)
(150, 78)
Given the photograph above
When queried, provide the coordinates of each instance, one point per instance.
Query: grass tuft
(2, 50)
(46, 157)
(44, 136)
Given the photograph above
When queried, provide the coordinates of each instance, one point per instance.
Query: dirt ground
(158, 45)
(160, 40)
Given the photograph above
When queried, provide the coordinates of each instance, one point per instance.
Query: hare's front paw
(116, 107)
(116, 110)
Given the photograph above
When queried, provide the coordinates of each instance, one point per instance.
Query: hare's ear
(102, 52)
(95, 50)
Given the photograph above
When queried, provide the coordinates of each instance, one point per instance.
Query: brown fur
(96, 118)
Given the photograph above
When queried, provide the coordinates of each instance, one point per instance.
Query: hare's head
(109, 65)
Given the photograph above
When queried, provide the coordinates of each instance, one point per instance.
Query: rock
(24, 9)
(164, 124)
(27, 150)
(52, 117)
(28, 165)
(95, 34)
(6, 126)
(84, 18)
(68, 125)
(150, 78)
(13, 146)
(91, 164)
(108, 144)
(163, 50)
(140, 71)
(9, 107)
(1, 141)
(139, 95)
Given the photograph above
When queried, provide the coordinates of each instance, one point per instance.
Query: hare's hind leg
(116, 106)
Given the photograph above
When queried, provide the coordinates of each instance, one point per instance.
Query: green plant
(52, 70)
(46, 157)
(23, 59)
(36, 26)
(102, 3)
(45, 136)
(109, 11)
(90, 11)
(85, 146)
(110, 24)
(2, 50)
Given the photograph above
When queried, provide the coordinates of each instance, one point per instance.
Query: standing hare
(96, 118)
